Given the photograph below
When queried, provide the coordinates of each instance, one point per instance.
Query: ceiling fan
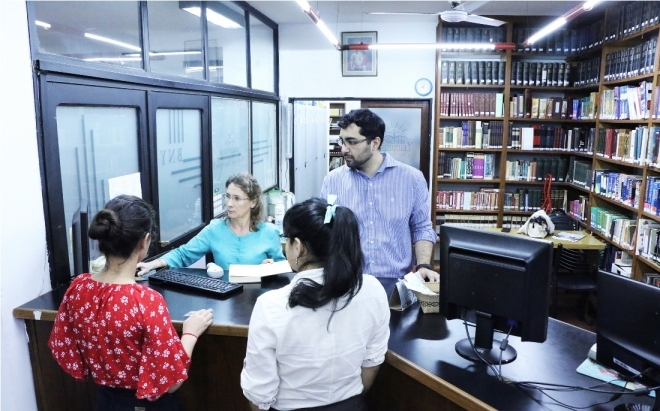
(458, 13)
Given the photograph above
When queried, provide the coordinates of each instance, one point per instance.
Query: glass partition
(175, 38)
(178, 140)
(264, 144)
(227, 44)
(230, 134)
(262, 58)
(96, 145)
(96, 31)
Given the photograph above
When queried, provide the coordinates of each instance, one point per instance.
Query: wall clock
(423, 87)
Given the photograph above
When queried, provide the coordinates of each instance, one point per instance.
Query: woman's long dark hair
(122, 223)
(335, 246)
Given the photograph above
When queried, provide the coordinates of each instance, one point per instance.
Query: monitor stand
(484, 344)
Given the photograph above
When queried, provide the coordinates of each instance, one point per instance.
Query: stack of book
(484, 199)
(647, 239)
(627, 102)
(471, 104)
(632, 61)
(467, 220)
(490, 72)
(539, 73)
(536, 170)
(602, 220)
(620, 187)
(475, 166)
(579, 173)
(525, 199)
(579, 208)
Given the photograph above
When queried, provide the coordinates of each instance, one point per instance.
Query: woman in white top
(317, 343)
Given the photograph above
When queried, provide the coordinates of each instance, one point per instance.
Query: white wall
(23, 264)
(311, 67)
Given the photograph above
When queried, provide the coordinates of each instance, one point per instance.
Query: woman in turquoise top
(241, 238)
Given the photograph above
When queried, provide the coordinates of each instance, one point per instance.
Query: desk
(422, 372)
(587, 243)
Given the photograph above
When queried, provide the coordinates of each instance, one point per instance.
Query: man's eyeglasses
(227, 197)
(352, 142)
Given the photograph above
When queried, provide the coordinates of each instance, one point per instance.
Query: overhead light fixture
(111, 41)
(446, 46)
(42, 24)
(114, 59)
(216, 13)
(165, 53)
(307, 9)
(560, 21)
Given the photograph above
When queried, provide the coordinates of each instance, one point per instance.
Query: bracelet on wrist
(190, 334)
(428, 266)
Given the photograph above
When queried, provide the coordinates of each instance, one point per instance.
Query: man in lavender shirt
(389, 198)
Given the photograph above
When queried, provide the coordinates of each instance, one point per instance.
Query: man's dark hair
(370, 124)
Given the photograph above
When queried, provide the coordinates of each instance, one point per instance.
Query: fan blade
(402, 13)
(473, 18)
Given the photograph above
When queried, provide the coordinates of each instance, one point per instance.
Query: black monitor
(628, 332)
(503, 279)
(80, 241)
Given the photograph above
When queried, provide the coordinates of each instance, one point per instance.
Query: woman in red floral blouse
(119, 332)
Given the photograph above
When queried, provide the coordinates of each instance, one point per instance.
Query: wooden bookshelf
(588, 55)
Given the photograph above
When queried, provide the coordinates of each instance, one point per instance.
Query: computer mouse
(214, 271)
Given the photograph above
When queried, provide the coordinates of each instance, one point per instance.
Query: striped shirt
(393, 211)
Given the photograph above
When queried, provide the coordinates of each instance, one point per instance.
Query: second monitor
(504, 278)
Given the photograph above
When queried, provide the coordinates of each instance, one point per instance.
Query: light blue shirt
(393, 210)
(227, 247)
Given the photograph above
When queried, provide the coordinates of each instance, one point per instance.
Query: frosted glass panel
(262, 60)
(178, 139)
(402, 138)
(95, 144)
(230, 134)
(264, 144)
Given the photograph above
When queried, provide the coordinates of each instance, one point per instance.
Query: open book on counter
(253, 273)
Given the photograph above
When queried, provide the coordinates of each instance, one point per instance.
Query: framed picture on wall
(359, 63)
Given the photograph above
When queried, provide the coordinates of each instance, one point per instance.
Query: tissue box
(430, 303)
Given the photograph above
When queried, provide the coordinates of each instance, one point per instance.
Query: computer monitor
(80, 241)
(628, 331)
(503, 278)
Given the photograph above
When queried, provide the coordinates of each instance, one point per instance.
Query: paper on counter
(414, 282)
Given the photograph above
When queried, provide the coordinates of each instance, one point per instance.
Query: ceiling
(339, 12)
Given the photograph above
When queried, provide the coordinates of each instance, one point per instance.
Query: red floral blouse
(121, 335)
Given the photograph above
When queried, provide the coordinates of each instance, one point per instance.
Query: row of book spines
(579, 208)
(602, 220)
(570, 108)
(638, 146)
(536, 170)
(652, 278)
(631, 61)
(633, 17)
(472, 104)
(623, 233)
(473, 35)
(532, 73)
(475, 166)
(550, 137)
(472, 134)
(467, 220)
(588, 72)
(580, 173)
(467, 200)
(652, 196)
(561, 41)
(627, 103)
(623, 188)
(513, 221)
(490, 72)
(531, 199)
(629, 145)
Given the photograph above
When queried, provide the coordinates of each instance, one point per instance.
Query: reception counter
(421, 372)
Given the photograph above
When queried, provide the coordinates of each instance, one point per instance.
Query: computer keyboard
(191, 281)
